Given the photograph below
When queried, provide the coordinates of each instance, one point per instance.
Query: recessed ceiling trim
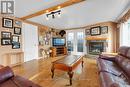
(65, 4)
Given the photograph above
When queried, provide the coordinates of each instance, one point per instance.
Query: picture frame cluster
(7, 38)
(98, 30)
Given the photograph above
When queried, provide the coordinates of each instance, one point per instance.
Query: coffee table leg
(82, 64)
(52, 70)
(70, 76)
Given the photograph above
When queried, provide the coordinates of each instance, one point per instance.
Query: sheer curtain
(125, 34)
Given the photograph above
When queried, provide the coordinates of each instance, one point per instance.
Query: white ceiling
(78, 15)
(27, 7)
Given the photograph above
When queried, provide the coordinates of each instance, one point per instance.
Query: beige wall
(42, 33)
(112, 34)
(4, 50)
(7, 48)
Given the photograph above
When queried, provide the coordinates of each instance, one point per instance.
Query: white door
(30, 41)
(76, 41)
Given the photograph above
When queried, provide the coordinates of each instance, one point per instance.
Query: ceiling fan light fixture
(53, 16)
(59, 14)
(47, 11)
(59, 7)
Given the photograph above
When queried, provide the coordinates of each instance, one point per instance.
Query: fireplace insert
(96, 48)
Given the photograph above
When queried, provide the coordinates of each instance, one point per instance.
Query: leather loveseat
(115, 71)
(8, 79)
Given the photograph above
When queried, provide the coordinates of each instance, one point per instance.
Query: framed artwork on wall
(7, 23)
(87, 32)
(15, 45)
(18, 23)
(15, 38)
(17, 30)
(104, 29)
(5, 34)
(5, 41)
(95, 31)
(15, 42)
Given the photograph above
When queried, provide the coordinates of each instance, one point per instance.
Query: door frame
(75, 41)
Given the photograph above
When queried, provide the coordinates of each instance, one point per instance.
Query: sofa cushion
(18, 81)
(128, 54)
(123, 51)
(119, 59)
(8, 83)
(126, 66)
(109, 80)
(105, 65)
(5, 74)
(1, 66)
(124, 63)
(24, 82)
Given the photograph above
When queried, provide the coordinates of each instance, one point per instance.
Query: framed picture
(17, 30)
(5, 34)
(95, 31)
(5, 41)
(15, 45)
(18, 23)
(104, 29)
(7, 23)
(15, 38)
(87, 31)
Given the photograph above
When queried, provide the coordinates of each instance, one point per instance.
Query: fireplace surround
(96, 47)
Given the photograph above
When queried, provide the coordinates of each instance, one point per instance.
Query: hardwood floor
(39, 71)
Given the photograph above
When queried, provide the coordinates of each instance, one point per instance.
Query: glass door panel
(80, 41)
(75, 42)
(70, 44)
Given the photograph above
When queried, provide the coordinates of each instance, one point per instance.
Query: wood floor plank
(39, 71)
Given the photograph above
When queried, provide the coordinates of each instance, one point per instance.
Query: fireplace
(96, 47)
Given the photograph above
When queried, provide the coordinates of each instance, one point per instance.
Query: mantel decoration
(104, 30)
(62, 33)
(7, 23)
(95, 31)
(87, 32)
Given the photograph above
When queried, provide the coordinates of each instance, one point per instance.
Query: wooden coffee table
(68, 64)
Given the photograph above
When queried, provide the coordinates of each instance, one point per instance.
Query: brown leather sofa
(8, 79)
(115, 71)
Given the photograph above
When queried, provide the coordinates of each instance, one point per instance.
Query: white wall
(30, 41)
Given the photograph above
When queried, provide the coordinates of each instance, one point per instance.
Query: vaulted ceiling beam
(62, 5)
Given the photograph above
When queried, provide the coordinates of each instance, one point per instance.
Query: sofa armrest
(1, 66)
(108, 57)
(5, 74)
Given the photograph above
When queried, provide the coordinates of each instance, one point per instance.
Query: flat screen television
(58, 41)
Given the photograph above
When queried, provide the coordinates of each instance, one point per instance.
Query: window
(125, 34)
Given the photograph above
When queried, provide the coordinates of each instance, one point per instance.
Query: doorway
(30, 41)
(76, 41)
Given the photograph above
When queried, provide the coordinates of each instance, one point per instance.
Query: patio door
(76, 41)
